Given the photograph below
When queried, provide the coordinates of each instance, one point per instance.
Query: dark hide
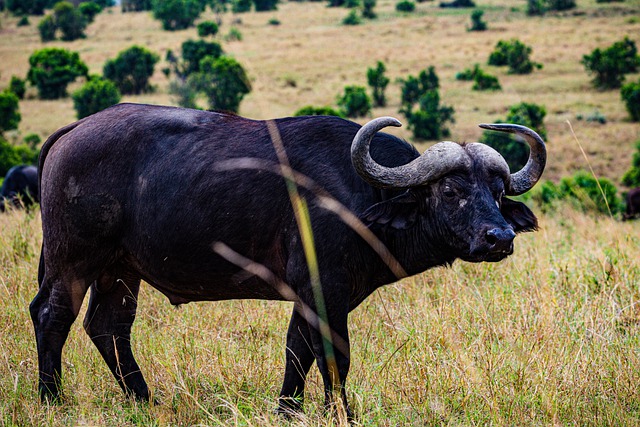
(633, 204)
(140, 192)
(20, 187)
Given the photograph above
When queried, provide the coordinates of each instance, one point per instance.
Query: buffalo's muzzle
(500, 240)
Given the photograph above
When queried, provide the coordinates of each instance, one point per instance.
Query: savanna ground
(547, 337)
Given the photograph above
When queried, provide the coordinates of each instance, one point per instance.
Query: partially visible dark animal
(633, 204)
(193, 202)
(458, 4)
(20, 187)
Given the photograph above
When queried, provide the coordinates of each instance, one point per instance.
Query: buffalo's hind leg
(111, 312)
(53, 311)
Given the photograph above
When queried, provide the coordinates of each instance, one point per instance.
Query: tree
(27, 7)
(414, 87)
(354, 101)
(265, 5)
(378, 82)
(477, 24)
(310, 110)
(89, 10)
(52, 69)
(241, 6)
(96, 95)
(47, 28)
(17, 86)
(405, 6)
(611, 64)
(352, 18)
(177, 14)
(69, 20)
(193, 51)
(367, 9)
(223, 80)
(131, 69)
(630, 94)
(135, 5)
(12, 155)
(9, 111)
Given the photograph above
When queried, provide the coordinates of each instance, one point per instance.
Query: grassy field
(549, 336)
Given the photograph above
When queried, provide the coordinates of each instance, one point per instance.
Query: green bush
(52, 69)
(207, 28)
(27, 7)
(23, 22)
(224, 82)
(47, 28)
(367, 9)
(310, 110)
(241, 6)
(193, 51)
(265, 5)
(468, 74)
(350, 4)
(378, 83)
(69, 21)
(9, 111)
(32, 140)
(477, 24)
(631, 177)
(514, 151)
(352, 18)
(89, 10)
(11, 156)
(413, 88)
(630, 94)
(429, 120)
(611, 64)
(485, 81)
(131, 69)
(96, 95)
(515, 55)
(536, 7)
(354, 101)
(405, 6)
(234, 34)
(17, 86)
(176, 14)
(560, 5)
(136, 5)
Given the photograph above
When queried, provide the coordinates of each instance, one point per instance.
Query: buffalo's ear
(399, 213)
(518, 215)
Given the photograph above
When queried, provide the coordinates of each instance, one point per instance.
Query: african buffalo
(20, 187)
(633, 204)
(199, 205)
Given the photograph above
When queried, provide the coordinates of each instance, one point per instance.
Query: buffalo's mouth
(489, 256)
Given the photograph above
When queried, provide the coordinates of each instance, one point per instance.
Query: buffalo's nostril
(500, 239)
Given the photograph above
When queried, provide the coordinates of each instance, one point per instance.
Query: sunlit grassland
(310, 57)
(549, 336)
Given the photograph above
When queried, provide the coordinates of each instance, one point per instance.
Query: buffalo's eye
(449, 192)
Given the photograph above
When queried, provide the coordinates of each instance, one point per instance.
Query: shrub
(89, 10)
(13, 155)
(592, 194)
(477, 24)
(96, 95)
(193, 51)
(367, 9)
(458, 4)
(310, 110)
(9, 111)
(27, 7)
(234, 34)
(468, 74)
(176, 14)
(354, 101)
(611, 64)
(241, 6)
(131, 69)
(350, 4)
(535, 7)
(514, 54)
(405, 6)
(69, 21)
(136, 5)
(514, 151)
(631, 177)
(352, 18)
(52, 69)
(630, 94)
(485, 81)
(560, 5)
(414, 87)
(223, 80)
(265, 5)
(185, 94)
(47, 28)
(23, 22)
(32, 140)
(207, 28)
(429, 120)
(378, 83)
(105, 3)
(274, 21)
(17, 86)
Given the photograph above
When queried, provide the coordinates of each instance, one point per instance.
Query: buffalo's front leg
(111, 312)
(299, 358)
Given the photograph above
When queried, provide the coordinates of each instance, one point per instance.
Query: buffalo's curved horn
(523, 180)
(432, 164)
